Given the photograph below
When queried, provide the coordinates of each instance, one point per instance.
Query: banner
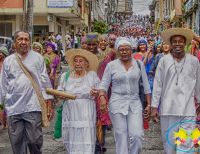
(60, 3)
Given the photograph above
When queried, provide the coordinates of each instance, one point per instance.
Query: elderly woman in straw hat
(79, 116)
(177, 81)
(126, 111)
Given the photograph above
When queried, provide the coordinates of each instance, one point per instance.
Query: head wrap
(142, 41)
(39, 45)
(4, 50)
(122, 41)
(92, 37)
(51, 45)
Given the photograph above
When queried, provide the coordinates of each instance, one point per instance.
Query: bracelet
(149, 105)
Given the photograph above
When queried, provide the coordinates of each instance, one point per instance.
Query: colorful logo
(182, 136)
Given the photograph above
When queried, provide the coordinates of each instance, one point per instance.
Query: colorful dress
(79, 116)
(148, 68)
(148, 65)
(54, 65)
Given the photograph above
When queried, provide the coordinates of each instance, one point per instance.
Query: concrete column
(13, 27)
(63, 31)
(17, 23)
(56, 28)
(51, 26)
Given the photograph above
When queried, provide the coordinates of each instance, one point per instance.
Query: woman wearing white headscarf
(125, 106)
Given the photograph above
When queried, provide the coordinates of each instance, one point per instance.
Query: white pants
(128, 132)
(171, 124)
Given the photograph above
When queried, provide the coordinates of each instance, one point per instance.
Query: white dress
(79, 116)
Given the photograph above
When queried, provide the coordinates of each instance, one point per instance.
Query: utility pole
(28, 16)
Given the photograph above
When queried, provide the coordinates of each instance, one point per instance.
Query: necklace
(181, 69)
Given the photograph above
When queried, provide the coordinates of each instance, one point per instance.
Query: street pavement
(152, 143)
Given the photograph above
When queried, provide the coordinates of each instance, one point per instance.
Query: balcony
(190, 6)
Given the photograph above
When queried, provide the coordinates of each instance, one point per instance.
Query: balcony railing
(189, 5)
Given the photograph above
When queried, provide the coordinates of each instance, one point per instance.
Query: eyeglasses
(124, 49)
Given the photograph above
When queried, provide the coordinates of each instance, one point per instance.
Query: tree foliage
(100, 27)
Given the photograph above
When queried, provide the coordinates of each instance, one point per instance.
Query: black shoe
(104, 149)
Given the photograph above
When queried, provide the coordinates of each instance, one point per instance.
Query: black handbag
(141, 89)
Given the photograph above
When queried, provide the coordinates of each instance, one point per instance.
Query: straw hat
(187, 33)
(90, 57)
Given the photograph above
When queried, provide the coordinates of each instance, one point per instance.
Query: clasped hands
(102, 99)
(50, 109)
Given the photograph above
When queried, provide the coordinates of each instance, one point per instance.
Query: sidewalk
(152, 143)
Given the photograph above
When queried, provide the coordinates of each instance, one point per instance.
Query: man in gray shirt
(177, 81)
(21, 102)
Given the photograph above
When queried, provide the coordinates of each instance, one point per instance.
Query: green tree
(100, 27)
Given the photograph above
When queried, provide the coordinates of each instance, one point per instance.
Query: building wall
(4, 4)
(121, 6)
(11, 7)
(98, 10)
(40, 20)
(76, 16)
(197, 21)
(192, 14)
(40, 6)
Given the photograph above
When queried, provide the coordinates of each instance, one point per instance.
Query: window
(40, 30)
(128, 6)
(59, 29)
(6, 29)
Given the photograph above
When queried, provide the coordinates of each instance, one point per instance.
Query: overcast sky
(141, 6)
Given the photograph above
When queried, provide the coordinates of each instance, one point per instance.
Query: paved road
(152, 143)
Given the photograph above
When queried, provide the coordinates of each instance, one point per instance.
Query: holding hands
(154, 114)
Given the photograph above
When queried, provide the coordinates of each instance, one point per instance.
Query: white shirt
(16, 89)
(125, 86)
(177, 98)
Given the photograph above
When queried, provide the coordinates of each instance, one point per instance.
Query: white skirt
(79, 126)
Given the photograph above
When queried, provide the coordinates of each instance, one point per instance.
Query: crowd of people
(119, 79)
